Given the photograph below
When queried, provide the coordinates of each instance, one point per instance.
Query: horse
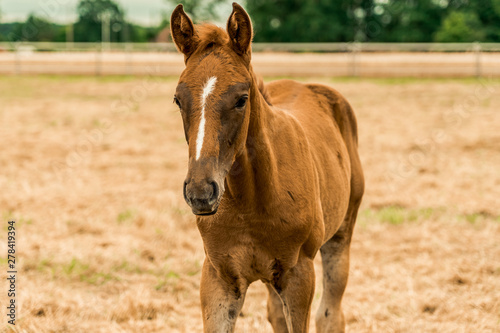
(273, 177)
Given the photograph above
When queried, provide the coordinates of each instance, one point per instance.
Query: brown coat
(274, 176)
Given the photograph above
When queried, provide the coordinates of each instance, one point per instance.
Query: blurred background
(279, 21)
(93, 156)
(431, 37)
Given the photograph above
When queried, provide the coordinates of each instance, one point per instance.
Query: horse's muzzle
(202, 196)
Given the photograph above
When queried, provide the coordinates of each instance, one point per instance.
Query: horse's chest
(251, 262)
(262, 252)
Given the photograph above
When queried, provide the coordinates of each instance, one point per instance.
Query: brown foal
(273, 177)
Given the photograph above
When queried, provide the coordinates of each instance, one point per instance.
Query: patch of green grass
(124, 216)
(128, 267)
(194, 269)
(394, 214)
(75, 266)
(472, 218)
(20, 221)
(83, 272)
(475, 217)
(98, 278)
(171, 278)
(365, 216)
(44, 264)
(421, 213)
(124, 266)
(161, 283)
(172, 275)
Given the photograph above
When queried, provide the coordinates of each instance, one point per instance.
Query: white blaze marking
(207, 90)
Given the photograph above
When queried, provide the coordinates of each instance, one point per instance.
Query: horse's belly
(330, 159)
(333, 169)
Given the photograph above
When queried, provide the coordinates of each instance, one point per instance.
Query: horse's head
(213, 97)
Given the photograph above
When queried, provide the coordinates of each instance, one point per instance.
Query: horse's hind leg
(335, 259)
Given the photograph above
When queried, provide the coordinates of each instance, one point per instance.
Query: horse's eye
(241, 102)
(176, 101)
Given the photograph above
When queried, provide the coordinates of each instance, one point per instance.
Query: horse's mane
(211, 35)
(263, 90)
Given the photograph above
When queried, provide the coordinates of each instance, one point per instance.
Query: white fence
(287, 59)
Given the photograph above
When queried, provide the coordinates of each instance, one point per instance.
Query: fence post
(98, 59)
(477, 51)
(128, 49)
(17, 58)
(355, 47)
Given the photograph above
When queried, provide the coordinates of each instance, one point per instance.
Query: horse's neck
(252, 178)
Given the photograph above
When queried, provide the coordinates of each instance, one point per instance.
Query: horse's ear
(239, 28)
(183, 33)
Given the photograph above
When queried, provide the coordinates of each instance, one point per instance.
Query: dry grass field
(91, 170)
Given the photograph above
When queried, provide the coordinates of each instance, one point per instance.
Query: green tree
(2, 38)
(488, 12)
(91, 13)
(302, 21)
(36, 29)
(496, 6)
(460, 26)
(368, 15)
(411, 21)
(201, 10)
(140, 34)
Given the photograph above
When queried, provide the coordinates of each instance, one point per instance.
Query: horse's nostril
(215, 192)
(201, 197)
(184, 191)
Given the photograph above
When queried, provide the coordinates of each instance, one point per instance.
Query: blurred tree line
(376, 20)
(291, 21)
(88, 27)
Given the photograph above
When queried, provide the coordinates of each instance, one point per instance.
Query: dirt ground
(92, 169)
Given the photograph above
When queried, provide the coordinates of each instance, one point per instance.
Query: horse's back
(296, 98)
(330, 125)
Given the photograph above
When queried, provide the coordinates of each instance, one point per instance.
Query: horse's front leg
(221, 300)
(296, 290)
